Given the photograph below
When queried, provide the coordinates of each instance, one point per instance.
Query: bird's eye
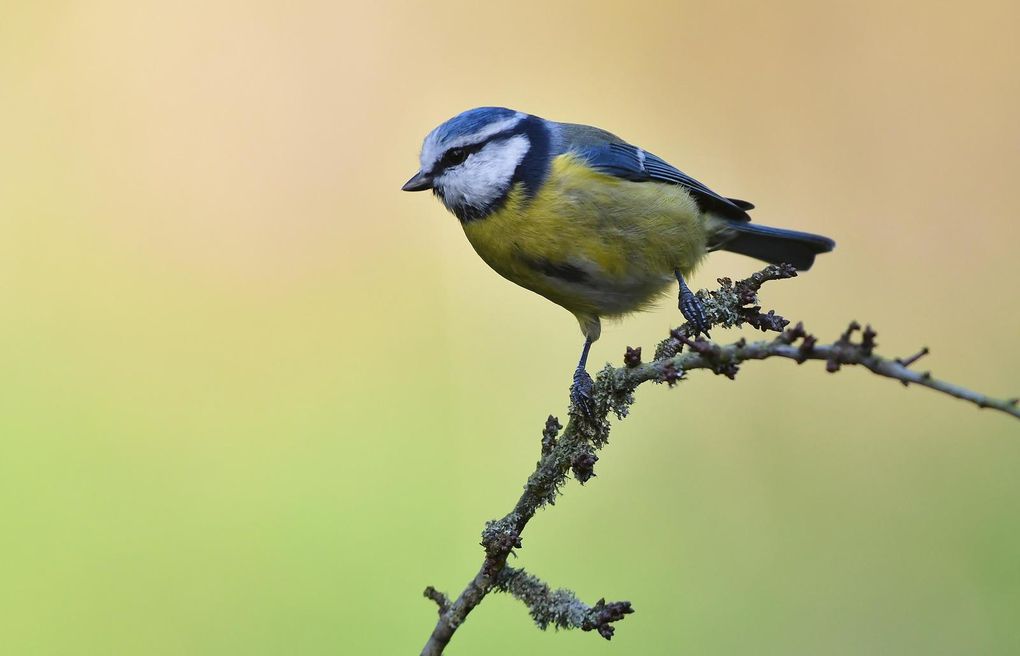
(455, 156)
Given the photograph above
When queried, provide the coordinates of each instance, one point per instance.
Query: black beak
(420, 182)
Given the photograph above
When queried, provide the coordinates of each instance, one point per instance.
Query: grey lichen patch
(668, 348)
(615, 391)
(560, 608)
(722, 307)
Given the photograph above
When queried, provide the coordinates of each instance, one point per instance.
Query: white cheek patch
(432, 150)
(485, 176)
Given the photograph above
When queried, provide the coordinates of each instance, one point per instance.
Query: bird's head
(472, 161)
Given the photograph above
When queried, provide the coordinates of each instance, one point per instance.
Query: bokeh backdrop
(253, 399)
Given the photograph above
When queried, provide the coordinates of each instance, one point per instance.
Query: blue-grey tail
(776, 245)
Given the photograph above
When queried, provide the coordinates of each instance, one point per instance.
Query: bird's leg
(691, 308)
(582, 392)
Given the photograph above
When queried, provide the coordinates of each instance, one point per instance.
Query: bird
(589, 221)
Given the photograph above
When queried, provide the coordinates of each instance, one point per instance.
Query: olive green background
(253, 399)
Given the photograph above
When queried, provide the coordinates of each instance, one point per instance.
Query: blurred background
(254, 398)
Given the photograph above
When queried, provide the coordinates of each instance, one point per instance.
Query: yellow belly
(593, 243)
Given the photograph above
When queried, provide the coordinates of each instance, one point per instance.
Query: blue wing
(609, 154)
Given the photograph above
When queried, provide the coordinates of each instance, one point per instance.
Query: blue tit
(587, 220)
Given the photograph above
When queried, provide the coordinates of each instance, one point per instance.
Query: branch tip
(632, 357)
(906, 362)
(848, 333)
(868, 343)
(441, 599)
(600, 616)
(549, 433)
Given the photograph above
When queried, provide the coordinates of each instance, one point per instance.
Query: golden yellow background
(254, 398)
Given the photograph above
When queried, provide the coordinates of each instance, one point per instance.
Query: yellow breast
(591, 242)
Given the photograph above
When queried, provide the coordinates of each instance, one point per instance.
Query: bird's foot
(693, 311)
(582, 395)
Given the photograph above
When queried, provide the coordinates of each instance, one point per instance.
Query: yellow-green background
(253, 398)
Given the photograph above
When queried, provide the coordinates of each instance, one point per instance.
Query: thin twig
(441, 599)
(906, 362)
(739, 352)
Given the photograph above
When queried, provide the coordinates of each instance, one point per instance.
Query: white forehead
(439, 141)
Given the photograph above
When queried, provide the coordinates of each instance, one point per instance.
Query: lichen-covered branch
(560, 608)
(574, 450)
(726, 360)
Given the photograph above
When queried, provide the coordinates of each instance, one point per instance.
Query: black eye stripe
(471, 149)
(465, 151)
(456, 156)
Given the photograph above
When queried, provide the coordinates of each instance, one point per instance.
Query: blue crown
(471, 121)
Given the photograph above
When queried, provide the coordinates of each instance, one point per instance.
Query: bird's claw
(582, 395)
(694, 312)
